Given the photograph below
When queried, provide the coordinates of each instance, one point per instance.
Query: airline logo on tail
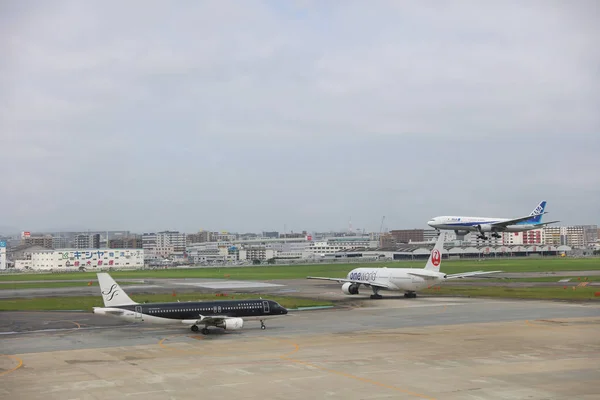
(536, 214)
(539, 209)
(111, 293)
(436, 257)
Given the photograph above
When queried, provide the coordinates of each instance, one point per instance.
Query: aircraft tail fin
(435, 258)
(112, 294)
(537, 213)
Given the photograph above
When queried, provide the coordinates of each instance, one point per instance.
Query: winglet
(112, 294)
(435, 258)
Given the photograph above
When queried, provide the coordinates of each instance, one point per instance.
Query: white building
(257, 253)
(163, 244)
(209, 252)
(340, 244)
(535, 236)
(74, 259)
(573, 236)
(2, 254)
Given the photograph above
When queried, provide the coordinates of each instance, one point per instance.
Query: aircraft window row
(243, 306)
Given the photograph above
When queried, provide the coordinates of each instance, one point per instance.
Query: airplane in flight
(463, 225)
(409, 280)
(226, 314)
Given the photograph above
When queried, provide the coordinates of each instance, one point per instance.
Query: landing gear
(376, 294)
(262, 325)
(205, 331)
(496, 235)
(194, 328)
(410, 295)
(481, 234)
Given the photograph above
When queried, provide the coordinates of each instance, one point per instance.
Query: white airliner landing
(463, 225)
(408, 280)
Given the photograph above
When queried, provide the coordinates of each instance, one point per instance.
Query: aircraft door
(266, 307)
(138, 313)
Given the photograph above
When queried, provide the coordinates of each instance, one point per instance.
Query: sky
(250, 116)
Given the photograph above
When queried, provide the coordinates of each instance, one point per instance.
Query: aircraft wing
(209, 320)
(467, 274)
(343, 280)
(420, 275)
(504, 224)
(545, 223)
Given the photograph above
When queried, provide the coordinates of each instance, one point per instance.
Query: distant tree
(271, 261)
(256, 262)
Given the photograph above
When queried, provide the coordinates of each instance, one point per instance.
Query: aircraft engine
(484, 228)
(350, 288)
(231, 324)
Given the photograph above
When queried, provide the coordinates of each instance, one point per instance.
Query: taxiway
(427, 348)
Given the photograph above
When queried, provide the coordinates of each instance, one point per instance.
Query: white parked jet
(408, 280)
(463, 225)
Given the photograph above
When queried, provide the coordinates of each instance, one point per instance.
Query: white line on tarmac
(152, 391)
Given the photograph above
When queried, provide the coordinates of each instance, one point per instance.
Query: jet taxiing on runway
(226, 314)
(408, 280)
(463, 225)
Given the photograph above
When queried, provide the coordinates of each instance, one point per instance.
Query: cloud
(245, 115)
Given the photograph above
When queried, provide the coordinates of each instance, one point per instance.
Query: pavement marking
(152, 391)
(345, 374)
(19, 365)
(537, 324)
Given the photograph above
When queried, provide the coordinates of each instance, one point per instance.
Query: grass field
(544, 293)
(264, 273)
(87, 302)
(573, 279)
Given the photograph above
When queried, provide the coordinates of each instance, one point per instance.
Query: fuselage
(472, 224)
(398, 278)
(189, 312)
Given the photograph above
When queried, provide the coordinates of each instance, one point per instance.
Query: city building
(22, 251)
(431, 235)
(3, 262)
(44, 241)
(78, 259)
(210, 252)
(408, 235)
(340, 244)
(528, 237)
(126, 242)
(260, 253)
(165, 244)
(572, 236)
(171, 238)
(200, 237)
(87, 241)
(590, 235)
(60, 242)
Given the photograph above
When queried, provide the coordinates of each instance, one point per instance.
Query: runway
(295, 287)
(428, 348)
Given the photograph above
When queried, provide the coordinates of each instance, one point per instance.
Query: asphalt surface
(423, 348)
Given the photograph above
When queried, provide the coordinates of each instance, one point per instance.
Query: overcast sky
(255, 115)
